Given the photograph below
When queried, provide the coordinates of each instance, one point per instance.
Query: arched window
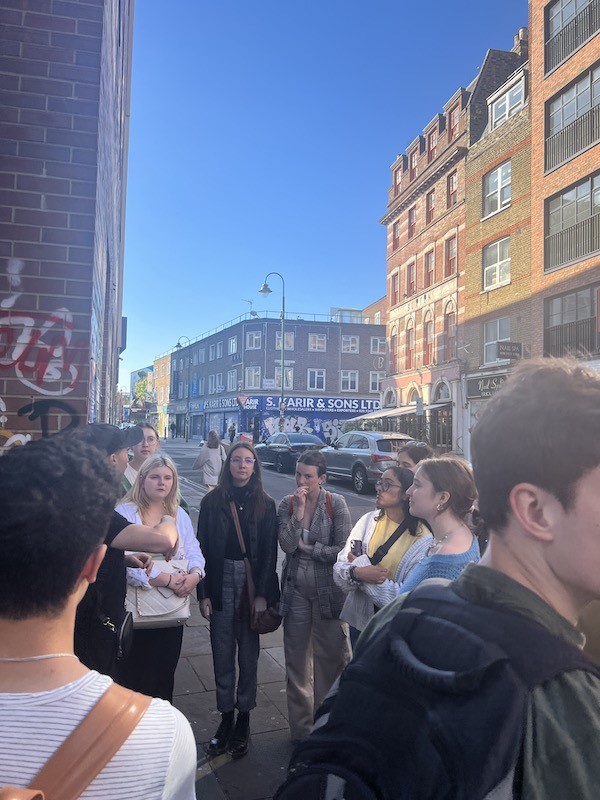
(441, 393)
(389, 398)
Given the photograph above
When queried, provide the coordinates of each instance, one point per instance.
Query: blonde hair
(138, 496)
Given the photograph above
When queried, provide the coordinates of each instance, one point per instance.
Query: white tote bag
(159, 607)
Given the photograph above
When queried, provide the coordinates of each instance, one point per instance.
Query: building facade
(565, 177)
(426, 261)
(65, 79)
(498, 320)
(333, 371)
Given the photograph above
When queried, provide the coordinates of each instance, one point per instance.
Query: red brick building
(65, 77)
(426, 259)
(565, 177)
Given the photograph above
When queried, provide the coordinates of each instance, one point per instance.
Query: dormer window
(507, 104)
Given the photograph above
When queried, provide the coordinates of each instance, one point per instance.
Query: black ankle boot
(218, 744)
(238, 743)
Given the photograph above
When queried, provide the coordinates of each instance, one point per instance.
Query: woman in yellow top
(384, 544)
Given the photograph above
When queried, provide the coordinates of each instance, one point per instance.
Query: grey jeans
(228, 630)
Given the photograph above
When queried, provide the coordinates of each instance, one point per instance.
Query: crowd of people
(109, 565)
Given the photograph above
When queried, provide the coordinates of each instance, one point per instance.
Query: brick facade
(426, 262)
(64, 79)
(583, 271)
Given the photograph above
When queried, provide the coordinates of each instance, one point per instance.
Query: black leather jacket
(260, 537)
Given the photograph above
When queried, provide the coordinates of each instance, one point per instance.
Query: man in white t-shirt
(58, 495)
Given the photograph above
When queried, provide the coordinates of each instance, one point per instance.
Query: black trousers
(150, 667)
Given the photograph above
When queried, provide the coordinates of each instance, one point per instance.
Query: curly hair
(58, 495)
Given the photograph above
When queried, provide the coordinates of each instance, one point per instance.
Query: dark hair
(542, 427)
(58, 495)
(314, 458)
(417, 451)
(405, 478)
(213, 440)
(254, 486)
(452, 475)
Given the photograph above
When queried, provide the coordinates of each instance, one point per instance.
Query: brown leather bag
(268, 620)
(87, 750)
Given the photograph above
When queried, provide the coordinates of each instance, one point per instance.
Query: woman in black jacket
(222, 593)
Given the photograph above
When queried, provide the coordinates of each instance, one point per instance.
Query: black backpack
(432, 707)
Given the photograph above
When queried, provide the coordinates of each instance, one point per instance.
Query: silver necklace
(437, 543)
(42, 657)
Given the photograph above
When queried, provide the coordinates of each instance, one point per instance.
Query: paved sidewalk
(258, 774)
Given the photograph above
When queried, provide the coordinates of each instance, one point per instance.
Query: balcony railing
(573, 35)
(573, 338)
(574, 243)
(574, 138)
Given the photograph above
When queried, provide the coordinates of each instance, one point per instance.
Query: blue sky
(262, 133)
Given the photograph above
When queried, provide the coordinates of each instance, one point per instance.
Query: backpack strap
(87, 750)
(329, 505)
(384, 548)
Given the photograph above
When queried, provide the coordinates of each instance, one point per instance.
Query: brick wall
(64, 72)
(544, 87)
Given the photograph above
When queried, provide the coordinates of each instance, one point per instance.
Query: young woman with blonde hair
(150, 668)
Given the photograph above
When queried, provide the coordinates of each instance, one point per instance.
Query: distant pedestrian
(231, 432)
(411, 453)
(210, 461)
(313, 527)
(223, 591)
(173, 430)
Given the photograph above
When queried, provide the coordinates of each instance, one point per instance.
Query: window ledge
(497, 286)
(503, 362)
(495, 213)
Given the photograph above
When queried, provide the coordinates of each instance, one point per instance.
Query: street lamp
(178, 346)
(266, 290)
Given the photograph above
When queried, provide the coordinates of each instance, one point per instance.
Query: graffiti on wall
(327, 429)
(38, 346)
(8, 438)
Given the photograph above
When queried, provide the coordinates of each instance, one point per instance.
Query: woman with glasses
(313, 527)
(442, 493)
(141, 451)
(410, 454)
(222, 593)
(384, 546)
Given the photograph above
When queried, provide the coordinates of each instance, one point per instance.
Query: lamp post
(178, 346)
(265, 290)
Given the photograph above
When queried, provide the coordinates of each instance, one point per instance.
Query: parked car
(281, 450)
(362, 456)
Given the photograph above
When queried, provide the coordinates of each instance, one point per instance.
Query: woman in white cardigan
(150, 667)
(387, 543)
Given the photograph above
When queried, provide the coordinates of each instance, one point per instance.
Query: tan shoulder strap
(89, 748)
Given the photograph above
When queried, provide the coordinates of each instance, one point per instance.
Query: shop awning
(398, 412)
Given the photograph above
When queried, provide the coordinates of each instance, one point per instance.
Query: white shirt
(157, 762)
(188, 545)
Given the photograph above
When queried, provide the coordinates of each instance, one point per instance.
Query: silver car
(362, 456)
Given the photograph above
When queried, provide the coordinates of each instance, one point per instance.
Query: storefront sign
(480, 388)
(332, 405)
(509, 349)
(224, 403)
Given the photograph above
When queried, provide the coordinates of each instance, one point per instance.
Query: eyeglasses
(386, 485)
(239, 461)
(149, 440)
